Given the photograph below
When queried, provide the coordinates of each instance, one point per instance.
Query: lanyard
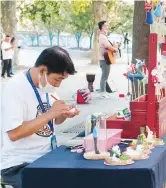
(50, 123)
(48, 102)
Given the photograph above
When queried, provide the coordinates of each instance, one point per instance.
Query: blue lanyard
(50, 123)
(48, 102)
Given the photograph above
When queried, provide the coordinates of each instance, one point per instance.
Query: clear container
(106, 138)
(105, 141)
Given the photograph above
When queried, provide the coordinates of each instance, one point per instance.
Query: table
(63, 169)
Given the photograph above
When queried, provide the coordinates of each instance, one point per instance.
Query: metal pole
(128, 62)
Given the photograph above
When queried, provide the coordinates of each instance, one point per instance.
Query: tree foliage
(122, 19)
(44, 15)
(79, 17)
(81, 20)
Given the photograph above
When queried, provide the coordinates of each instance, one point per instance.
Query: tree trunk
(90, 40)
(78, 37)
(8, 17)
(58, 37)
(51, 36)
(32, 39)
(100, 14)
(141, 31)
(37, 38)
(9, 22)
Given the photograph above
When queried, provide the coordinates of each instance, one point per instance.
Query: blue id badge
(53, 142)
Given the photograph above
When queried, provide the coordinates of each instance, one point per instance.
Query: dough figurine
(118, 158)
(151, 138)
(94, 130)
(116, 152)
(150, 133)
(138, 152)
(139, 144)
(142, 135)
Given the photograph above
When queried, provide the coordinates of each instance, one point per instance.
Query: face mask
(48, 88)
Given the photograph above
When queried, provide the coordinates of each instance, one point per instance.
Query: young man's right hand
(28, 128)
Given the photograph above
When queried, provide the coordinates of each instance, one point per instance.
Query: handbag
(83, 96)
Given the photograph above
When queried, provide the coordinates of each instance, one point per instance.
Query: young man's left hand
(71, 113)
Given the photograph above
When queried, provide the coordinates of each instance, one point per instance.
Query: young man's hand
(71, 113)
(58, 108)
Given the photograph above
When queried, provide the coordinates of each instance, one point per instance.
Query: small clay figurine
(94, 131)
(116, 151)
(142, 134)
(139, 142)
(150, 133)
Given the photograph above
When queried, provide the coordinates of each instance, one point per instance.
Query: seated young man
(29, 112)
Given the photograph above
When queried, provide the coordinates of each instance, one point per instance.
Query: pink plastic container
(107, 138)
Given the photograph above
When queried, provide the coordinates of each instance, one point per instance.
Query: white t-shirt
(6, 54)
(103, 41)
(19, 103)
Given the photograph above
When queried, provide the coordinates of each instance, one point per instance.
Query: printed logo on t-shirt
(45, 131)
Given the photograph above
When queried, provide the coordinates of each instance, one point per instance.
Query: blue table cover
(63, 169)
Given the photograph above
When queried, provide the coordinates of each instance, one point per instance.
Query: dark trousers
(119, 52)
(108, 89)
(105, 71)
(95, 146)
(6, 67)
(12, 176)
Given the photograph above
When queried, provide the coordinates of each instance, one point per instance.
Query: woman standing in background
(12, 43)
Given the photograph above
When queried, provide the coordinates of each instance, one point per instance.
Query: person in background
(12, 42)
(104, 45)
(125, 40)
(30, 112)
(1, 56)
(119, 48)
(7, 53)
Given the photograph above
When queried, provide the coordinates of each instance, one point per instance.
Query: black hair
(12, 40)
(57, 60)
(100, 24)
